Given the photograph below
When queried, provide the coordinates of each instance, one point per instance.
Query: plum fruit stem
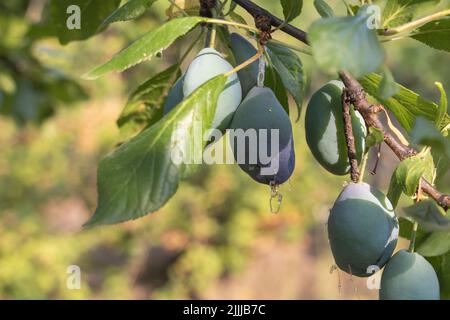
(212, 38)
(412, 241)
(231, 23)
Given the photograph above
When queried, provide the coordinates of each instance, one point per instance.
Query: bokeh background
(215, 239)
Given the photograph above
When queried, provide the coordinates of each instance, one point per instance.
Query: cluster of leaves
(29, 90)
(142, 120)
(338, 43)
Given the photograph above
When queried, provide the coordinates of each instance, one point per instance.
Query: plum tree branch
(370, 115)
(256, 11)
(358, 97)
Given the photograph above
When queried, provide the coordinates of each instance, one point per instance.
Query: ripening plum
(408, 276)
(243, 50)
(175, 96)
(362, 229)
(324, 126)
(265, 160)
(206, 65)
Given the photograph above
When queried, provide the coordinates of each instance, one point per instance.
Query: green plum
(408, 276)
(208, 64)
(362, 229)
(324, 126)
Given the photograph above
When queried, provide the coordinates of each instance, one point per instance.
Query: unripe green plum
(362, 229)
(324, 127)
(243, 50)
(261, 110)
(206, 65)
(175, 96)
(408, 276)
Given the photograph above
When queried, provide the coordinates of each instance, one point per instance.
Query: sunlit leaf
(147, 46)
(406, 177)
(406, 105)
(435, 34)
(130, 10)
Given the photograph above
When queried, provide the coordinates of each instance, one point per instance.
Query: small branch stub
(264, 25)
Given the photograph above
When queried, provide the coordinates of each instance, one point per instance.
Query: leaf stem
(416, 23)
(231, 23)
(212, 39)
(412, 241)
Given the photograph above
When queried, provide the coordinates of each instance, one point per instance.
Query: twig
(369, 113)
(416, 23)
(349, 137)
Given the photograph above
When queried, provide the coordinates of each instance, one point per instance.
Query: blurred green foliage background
(215, 239)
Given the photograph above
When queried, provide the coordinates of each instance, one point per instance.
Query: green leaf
(237, 18)
(346, 43)
(436, 244)
(233, 6)
(144, 107)
(129, 11)
(92, 14)
(430, 216)
(398, 12)
(290, 70)
(140, 176)
(291, 9)
(435, 34)
(407, 176)
(441, 264)
(352, 9)
(323, 9)
(424, 133)
(147, 46)
(388, 86)
(441, 120)
(375, 137)
(406, 105)
(274, 82)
